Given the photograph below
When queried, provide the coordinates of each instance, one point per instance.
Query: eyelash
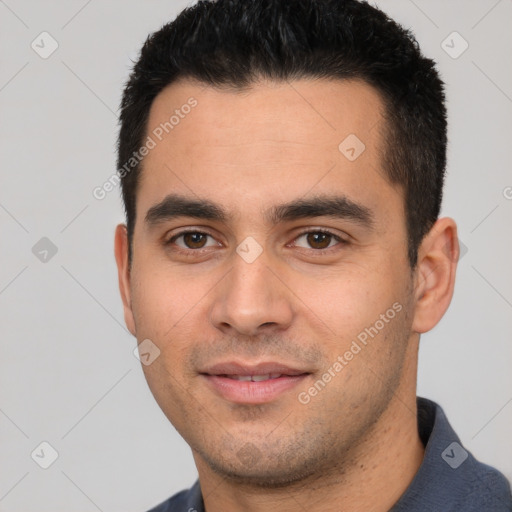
(194, 252)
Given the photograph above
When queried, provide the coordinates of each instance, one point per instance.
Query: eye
(191, 240)
(319, 239)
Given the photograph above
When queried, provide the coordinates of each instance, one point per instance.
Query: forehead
(270, 143)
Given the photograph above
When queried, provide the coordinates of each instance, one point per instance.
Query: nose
(251, 299)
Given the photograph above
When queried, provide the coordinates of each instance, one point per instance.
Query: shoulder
(450, 478)
(486, 488)
(188, 500)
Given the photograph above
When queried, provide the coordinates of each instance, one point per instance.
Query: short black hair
(235, 43)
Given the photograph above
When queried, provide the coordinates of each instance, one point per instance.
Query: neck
(381, 468)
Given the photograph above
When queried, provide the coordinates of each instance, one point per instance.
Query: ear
(123, 272)
(438, 255)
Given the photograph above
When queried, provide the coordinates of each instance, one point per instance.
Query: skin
(248, 151)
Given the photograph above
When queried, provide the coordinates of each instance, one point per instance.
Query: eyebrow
(339, 207)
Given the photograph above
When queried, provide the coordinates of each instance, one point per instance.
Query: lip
(235, 368)
(252, 392)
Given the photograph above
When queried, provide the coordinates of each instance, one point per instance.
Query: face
(273, 284)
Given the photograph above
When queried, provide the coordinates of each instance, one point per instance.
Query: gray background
(68, 375)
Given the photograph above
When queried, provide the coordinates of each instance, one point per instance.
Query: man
(282, 167)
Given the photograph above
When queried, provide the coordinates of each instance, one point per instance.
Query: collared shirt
(449, 479)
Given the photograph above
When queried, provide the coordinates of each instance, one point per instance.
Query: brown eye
(189, 240)
(194, 240)
(318, 240)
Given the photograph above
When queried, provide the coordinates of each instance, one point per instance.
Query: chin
(251, 467)
(263, 478)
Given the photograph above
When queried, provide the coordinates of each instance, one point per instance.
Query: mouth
(255, 378)
(252, 384)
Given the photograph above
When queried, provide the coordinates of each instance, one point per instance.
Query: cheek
(163, 299)
(163, 308)
(348, 302)
(169, 311)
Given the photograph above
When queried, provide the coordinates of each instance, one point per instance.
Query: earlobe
(123, 272)
(435, 274)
